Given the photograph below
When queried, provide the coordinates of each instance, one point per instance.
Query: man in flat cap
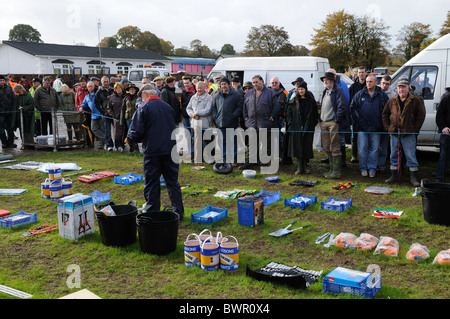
(152, 125)
(403, 116)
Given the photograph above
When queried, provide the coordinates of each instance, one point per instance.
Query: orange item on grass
(344, 240)
(365, 242)
(387, 246)
(417, 251)
(443, 258)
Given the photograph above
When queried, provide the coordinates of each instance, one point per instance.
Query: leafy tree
(267, 40)
(127, 36)
(446, 26)
(108, 42)
(24, 33)
(300, 50)
(227, 49)
(196, 48)
(348, 40)
(148, 41)
(166, 47)
(411, 38)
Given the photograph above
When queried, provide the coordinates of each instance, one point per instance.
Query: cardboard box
(348, 277)
(75, 216)
(250, 211)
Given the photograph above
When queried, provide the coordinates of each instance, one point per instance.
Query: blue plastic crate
(300, 201)
(269, 197)
(128, 179)
(336, 204)
(98, 197)
(209, 215)
(368, 290)
(19, 219)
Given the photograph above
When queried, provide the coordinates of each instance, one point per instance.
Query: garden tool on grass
(286, 230)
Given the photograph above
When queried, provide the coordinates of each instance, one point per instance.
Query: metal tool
(322, 238)
(330, 241)
(285, 231)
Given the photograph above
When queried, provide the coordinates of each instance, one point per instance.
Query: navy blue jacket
(227, 109)
(340, 106)
(366, 110)
(153, 124)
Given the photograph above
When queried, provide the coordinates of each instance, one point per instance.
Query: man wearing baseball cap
(403, 116)
(152, 125)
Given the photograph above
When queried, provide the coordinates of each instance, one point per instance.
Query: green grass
(39, 264)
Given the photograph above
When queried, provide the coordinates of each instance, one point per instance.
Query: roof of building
(196, 61)
(61, 50)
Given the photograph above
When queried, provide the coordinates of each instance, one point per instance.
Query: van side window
(422, 80)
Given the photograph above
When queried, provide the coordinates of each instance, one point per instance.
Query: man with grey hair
(152, 125)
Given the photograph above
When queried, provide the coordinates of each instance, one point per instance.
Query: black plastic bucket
(436, 201)
(158, 232)
(119, 230)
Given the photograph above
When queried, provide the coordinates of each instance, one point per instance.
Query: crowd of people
(379, 123)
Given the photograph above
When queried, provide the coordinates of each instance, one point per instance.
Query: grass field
(39, 264)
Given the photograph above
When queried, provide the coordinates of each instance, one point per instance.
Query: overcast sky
(212, 22)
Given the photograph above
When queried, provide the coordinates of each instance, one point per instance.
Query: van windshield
(135, 76)
(422, 80)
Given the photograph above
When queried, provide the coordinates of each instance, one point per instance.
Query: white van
(429, 74)
(135, 75)
(286, 68)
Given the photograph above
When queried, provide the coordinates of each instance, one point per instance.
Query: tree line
(347, 40)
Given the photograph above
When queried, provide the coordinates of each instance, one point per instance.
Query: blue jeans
(443, 163)
(224, 145)
(108, 139)
(409, 143)
(368, 144)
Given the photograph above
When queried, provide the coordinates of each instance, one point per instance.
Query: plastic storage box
(19, 219)
(300, 201)
(269, 197)
(336, 204)
(348, 281)
(128, 179)
(209, 215)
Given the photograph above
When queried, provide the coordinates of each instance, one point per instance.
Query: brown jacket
(410, 120)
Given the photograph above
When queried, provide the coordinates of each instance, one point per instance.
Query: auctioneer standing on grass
(405, 114)
(153, 124)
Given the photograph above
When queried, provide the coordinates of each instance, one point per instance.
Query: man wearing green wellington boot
(334, 107)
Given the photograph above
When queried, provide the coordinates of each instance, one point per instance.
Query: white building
(44, 58)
